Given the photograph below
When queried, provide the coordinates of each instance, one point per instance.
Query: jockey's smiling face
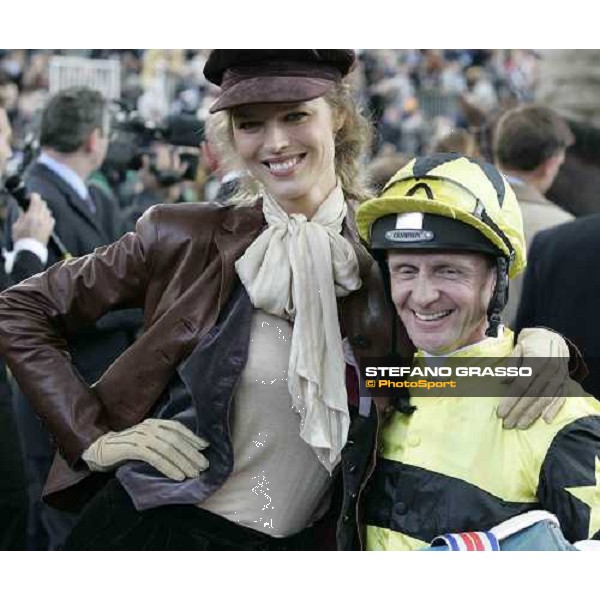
(442, 297)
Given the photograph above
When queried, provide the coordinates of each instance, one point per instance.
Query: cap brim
(258, 90)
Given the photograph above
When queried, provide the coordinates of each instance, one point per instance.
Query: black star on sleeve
(569, 484)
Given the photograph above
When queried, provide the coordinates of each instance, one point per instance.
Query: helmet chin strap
(499, 297)
(380, 257)
(401, 402)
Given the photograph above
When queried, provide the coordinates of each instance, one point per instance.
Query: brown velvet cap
(255, 76)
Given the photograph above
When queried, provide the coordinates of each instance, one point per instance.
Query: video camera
(132, 137)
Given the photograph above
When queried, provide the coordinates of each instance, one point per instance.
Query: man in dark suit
(561, 289)
(74, 139)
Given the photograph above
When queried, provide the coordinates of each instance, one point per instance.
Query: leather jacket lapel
(238, 230)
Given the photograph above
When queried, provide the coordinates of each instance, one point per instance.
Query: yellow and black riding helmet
(450, 202)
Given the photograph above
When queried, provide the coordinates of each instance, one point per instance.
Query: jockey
(448, 234)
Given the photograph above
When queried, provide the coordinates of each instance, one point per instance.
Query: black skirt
(111, 522)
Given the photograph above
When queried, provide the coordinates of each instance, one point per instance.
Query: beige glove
(542, 394)
(168, 446)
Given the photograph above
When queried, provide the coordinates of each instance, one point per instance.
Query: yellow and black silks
(451, 467)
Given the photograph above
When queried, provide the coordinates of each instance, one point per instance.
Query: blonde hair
(352, 142)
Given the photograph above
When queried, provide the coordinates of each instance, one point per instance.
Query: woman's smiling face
(290, 149)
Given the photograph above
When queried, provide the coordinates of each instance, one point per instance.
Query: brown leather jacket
(179, 267)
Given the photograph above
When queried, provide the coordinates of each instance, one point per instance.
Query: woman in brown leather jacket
(232, 416)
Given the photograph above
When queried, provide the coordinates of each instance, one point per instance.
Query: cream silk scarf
(295, 269)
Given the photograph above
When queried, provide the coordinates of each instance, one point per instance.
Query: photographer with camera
(161, 177)
(74, 139)
(164, 155)
(30, 232)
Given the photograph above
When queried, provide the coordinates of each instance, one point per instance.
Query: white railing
(98, 74)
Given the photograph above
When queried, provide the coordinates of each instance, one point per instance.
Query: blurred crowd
(419, 100)
(418, 96)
